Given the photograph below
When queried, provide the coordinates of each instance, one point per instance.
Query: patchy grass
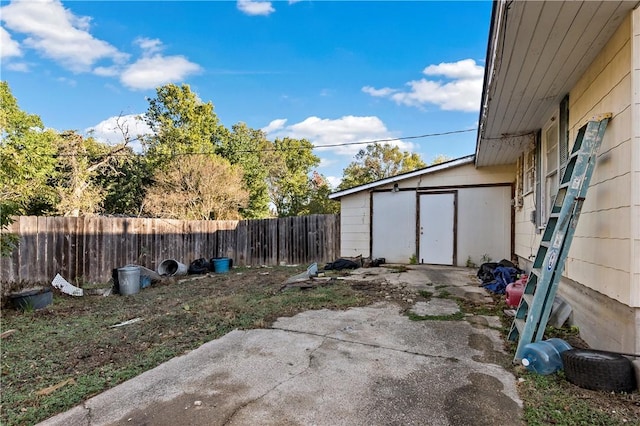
(426, 294)
(444, 294)
(397, 268)
(72, 340)
(452, 317)
(552, 400)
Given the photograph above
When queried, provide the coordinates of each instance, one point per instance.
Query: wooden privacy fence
(87, 249)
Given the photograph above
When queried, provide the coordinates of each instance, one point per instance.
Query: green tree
(289, 183)
(83, 166)
(249, 149)
(26, 162)
(181, 124)
(319, 202)
(124, 184)
(27, 154)
(440, 158)
(377, 162)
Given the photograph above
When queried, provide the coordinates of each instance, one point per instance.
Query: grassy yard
(70, 351)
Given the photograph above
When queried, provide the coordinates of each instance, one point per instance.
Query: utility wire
(371, 142)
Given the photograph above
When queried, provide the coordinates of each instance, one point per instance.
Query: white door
(394, 226)
(437, 214)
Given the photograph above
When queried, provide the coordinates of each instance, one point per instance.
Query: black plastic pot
(36, 298)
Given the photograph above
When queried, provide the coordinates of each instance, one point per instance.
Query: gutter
(498, 19)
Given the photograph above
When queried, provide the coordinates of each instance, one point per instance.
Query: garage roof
(469, 159)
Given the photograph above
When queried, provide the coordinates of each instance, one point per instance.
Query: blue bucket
(221, 265)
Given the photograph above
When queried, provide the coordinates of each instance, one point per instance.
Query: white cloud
(149, 45)
(18, 66)
(154, 71)
(344, 130)
(378, 92)
(254, 8)
(109, 130)
(8, 46)
(58, 34)
(464, 69)
(107, 71)
(334, 181)
(461, 90)
(274, 125)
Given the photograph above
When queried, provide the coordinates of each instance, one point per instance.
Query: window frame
(543, 205)
(550, 168)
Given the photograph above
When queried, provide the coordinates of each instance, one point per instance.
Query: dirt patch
(74, 338)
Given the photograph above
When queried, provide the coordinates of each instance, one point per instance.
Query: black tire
(599, 370)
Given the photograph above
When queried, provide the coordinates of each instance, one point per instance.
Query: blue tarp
(502, 276)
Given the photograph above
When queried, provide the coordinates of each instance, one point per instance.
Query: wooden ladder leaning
(539, 293)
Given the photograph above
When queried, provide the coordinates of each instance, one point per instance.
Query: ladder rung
(528, 298)
(545, 244)
(554, 215)
(519, 323)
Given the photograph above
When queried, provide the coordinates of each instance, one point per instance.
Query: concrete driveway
(362, 366)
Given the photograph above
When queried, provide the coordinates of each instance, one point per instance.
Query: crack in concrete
(277, 385)
(371, 345)
(89, 414)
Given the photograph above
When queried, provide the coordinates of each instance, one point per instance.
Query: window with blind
(553, 152)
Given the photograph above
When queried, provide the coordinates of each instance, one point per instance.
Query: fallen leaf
(52, 389)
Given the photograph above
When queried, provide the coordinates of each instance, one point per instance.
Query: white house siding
(484, 224)
(600, 253)
(635, 165)
(459, 176)
(356, 211)
(601, 272)
(355, 220)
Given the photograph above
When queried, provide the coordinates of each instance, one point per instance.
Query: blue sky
(330, 71)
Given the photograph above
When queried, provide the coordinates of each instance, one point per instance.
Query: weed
(452, 317)
(444, 294)
(550, 400)
(426, 294)
(397, 268)
(470, 263)
(485, 258)
(413, 260)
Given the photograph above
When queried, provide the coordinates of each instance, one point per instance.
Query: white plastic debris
(131, 321)
(65, 287)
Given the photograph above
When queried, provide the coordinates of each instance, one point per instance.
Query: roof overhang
(469, 159)
(536, 53)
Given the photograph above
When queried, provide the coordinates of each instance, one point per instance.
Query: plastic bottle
(544, 357)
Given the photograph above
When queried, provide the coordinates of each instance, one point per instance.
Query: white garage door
(394, 226)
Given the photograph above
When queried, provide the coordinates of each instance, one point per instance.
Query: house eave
(536, 53)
